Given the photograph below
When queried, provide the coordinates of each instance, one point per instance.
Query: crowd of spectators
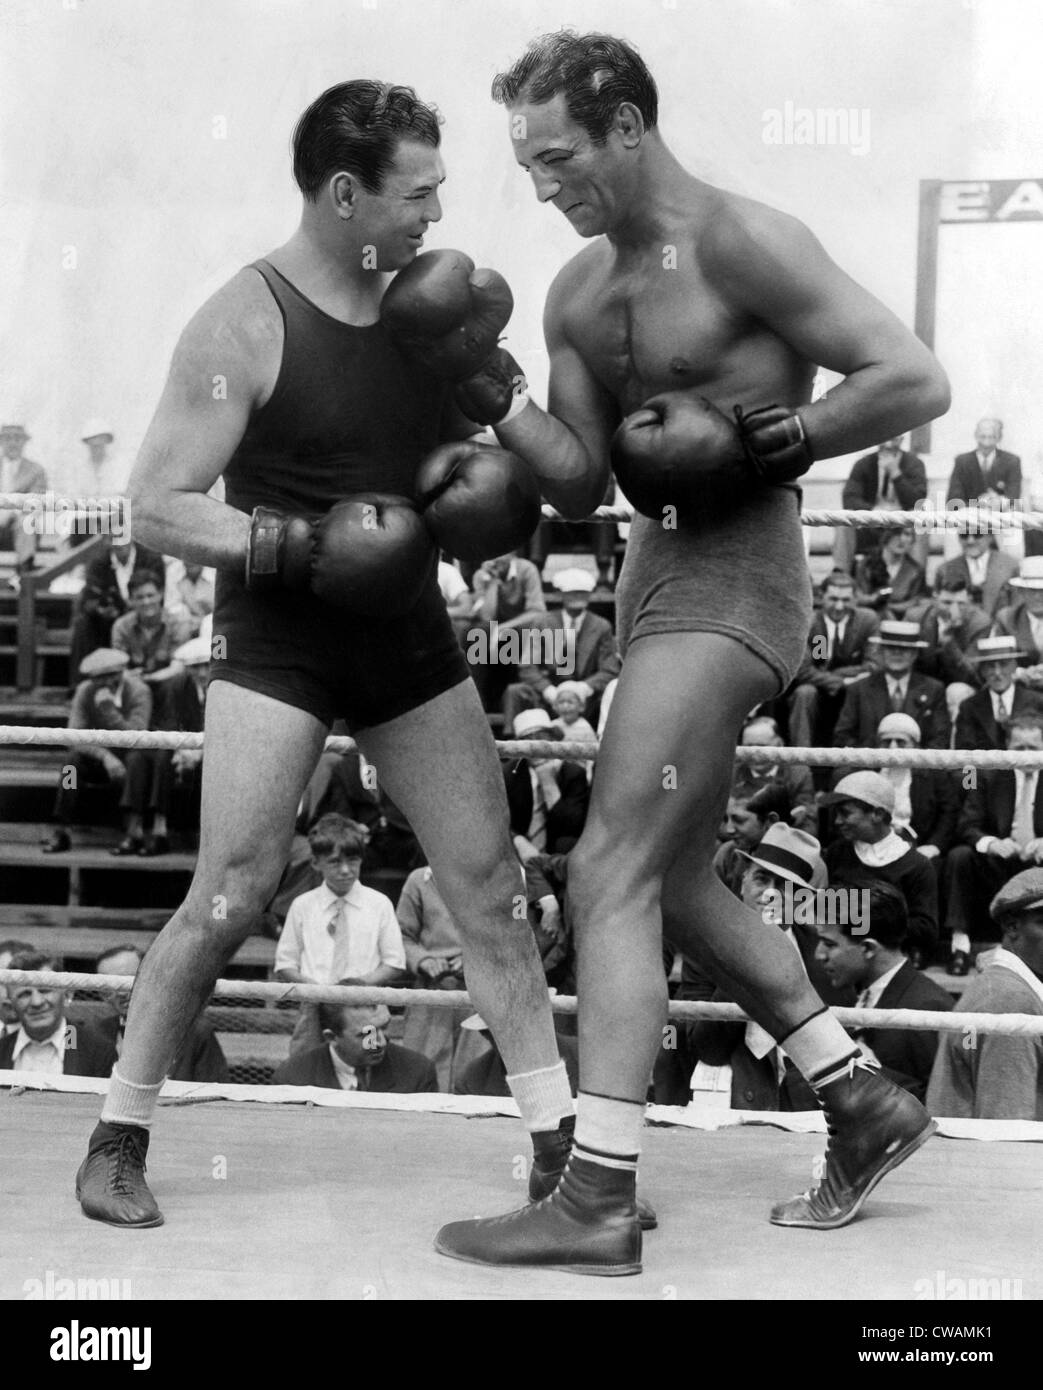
(892, 661)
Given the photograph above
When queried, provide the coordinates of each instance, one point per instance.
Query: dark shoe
(550, 1154)
(58, 843)
(959, 963)
(873, 1126)
(154, 844)
(110, 1185)
(588, 1225)
(130, 844)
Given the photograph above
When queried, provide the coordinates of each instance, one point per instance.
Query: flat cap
(104, 661)
(1021, 894)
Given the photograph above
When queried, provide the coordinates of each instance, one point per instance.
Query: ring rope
(1010, 1025)
(985, 518)
(950, 759)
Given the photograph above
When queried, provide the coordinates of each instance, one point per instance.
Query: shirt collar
(114, 560)
(328, 900)
(872, 994)
(347, 1076)
(885, 851)
(56, 1040)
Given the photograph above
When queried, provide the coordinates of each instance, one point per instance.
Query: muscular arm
(225, 363)
(566, 446)
(774, 268)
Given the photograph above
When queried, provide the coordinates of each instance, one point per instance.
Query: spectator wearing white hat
(104, 473)
(108, 697)
(897, 688)
(983, 718)
(547, 797)
(926, 803)
(585, 641)
(870, 850)
(1022, 619)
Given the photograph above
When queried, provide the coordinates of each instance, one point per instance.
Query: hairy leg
(248, 807)
(662, 782)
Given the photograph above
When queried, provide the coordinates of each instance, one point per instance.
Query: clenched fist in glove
(371, 554)
(479, 501)
(680, 451)
(449, 317)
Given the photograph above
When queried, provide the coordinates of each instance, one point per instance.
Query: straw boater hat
(895, 634)
(574, 581)
(1030, 575)
(996, 649)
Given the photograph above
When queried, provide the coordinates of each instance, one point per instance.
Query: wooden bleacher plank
(256, 951)
(91, 857)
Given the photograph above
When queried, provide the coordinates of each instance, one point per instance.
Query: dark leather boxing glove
(679, 451)
(497, 386)
(370, 554)
(446, 314)
(775, 442)
(479, 501)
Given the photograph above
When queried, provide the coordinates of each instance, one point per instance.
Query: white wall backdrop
(144, 156)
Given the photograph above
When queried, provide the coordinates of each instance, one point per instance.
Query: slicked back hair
(594, 71)
(357, 126)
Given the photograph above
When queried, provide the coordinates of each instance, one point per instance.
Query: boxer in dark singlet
(288, 384)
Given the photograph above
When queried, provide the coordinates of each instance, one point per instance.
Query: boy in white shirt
(340, 929)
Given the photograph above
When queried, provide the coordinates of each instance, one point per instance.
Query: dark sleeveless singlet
(349, 414)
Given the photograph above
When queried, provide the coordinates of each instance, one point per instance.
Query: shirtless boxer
(289, 383)
(697, 293)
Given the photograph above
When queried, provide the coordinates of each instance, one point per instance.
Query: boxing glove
(446, 314)
(680, 451)
(370, 554)
(479, 501)
(449, 316)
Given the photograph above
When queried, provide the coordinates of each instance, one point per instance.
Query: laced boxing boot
(110, 1185)
(550, 1155)
(588, 1225)
(873, 1126)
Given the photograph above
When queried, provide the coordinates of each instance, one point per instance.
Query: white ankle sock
(129, 1103)
(961, 942)
(818, 1046)
(608, 1131)
(544, 1097)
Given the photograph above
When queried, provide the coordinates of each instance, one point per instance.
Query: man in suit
(1023, 620)
(986, 472)
(1001, 1076)
(926, 801)
(762, 1076)
(952, 626)
(794, 778)
(588, 646)
(837, 655)
(897, 688)
(355, 1054)
(17, 474)
(106, 594)
(986, 570)
(547, 797)
(199, 1058)
(44, 1041)
(1000, 832)
(875, 968)
(984, 718)
(891, 477)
